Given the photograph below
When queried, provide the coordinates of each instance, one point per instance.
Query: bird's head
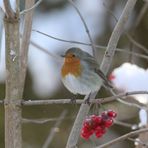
(73, 55)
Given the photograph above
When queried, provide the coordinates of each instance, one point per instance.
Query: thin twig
(54, 56)
(67, 41)
(86, 28)
(38, 47)
(82, 43)
(119, 139)
(119, 99)
(127, 35)
(25, 43)
(81, 101)
(141, 14)
(138, 142)
(124, 124)
(36, 121)
(137, 44)
(44, 120)
(53, 131)
(30, 9)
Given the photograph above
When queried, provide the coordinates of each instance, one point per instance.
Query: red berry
(108, 122)
(96, 120)
(86, 133)
(97, 124)
(100, 131)
(98, 134)
(111, 114)
(111, 77)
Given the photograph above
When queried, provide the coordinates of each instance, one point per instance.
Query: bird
(80, 72)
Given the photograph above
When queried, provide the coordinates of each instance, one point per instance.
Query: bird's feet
(73, 100)
(87, 101)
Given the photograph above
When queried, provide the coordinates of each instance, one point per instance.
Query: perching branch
(81, 101)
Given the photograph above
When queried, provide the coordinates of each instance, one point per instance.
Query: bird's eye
(73, 55)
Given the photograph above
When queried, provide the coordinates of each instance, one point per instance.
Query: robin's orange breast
(71, 66)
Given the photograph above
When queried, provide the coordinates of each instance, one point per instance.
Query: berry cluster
(97, 124)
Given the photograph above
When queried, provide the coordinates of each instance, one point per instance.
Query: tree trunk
(13, 137)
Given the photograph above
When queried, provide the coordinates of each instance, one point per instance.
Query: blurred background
(59, 19)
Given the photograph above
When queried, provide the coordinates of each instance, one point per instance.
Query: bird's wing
(93, 65)
(91, 61)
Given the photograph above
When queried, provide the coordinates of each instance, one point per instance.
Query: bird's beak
(63, 56)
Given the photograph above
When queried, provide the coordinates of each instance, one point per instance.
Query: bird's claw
(87, 101)
(73, 100)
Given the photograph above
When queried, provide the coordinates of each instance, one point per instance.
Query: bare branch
(124, 124)
(1, 25)
(127, 35)
(82, 43)
(36, 121)
(80, 101)
(31, 8)
(53, 130)
(138, 142)
(44, 120)
(141, 14)
(86, 28)
(12, 105)
(119, 99)
(9, 12)
(119, 139)
(25, 43)
(137, 44)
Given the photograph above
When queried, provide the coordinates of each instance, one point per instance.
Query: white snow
(129, 77)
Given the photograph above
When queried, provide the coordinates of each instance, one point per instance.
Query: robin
(80, 72)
